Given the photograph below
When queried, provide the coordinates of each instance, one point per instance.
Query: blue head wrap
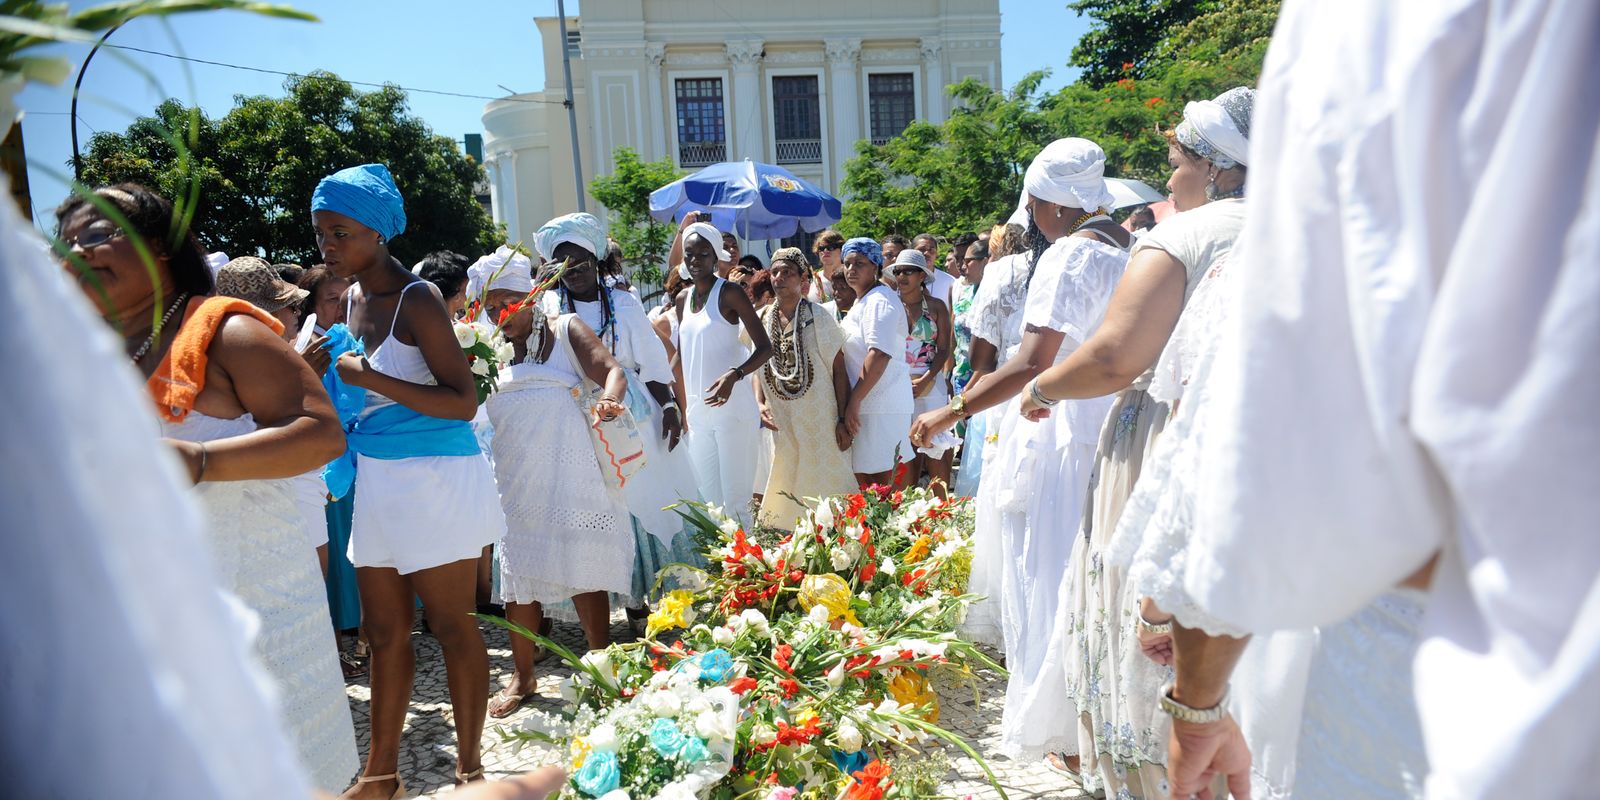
(865, 246)
(584, 230)
(365, 194)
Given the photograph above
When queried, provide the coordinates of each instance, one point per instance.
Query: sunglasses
(92, 238)
(904, 271)
(827, 247)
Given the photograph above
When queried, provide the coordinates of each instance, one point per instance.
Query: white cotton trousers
(725, 460)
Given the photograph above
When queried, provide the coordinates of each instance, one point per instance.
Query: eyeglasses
(823, 248)
(908, 271)
(92, 238)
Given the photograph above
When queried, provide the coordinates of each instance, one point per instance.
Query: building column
(655, 53)
(745, 56)
(491, 163)
(506, 170)
(844, 103)
(933, 68)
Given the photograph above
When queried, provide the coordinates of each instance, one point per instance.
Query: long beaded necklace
(155, 332)
(788, 373)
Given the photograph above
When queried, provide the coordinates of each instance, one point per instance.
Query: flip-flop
(505, 695)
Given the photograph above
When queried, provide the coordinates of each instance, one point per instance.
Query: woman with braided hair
(802, 392)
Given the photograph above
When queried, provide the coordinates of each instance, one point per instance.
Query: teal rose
(598, 775)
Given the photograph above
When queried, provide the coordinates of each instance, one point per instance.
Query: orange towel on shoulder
(182, 375)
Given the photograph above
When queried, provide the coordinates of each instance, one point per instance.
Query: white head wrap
(503, 269)
(1219, 130)
(710, 234)
(214, 262)
(1070, 172)
(583, 230)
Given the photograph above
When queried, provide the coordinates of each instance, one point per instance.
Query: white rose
(722, 636)
(465, 335)
(663, 704)
(824, 514)
(483, 329)
(603, 738)
(729, 526)
(819, 615)
(848, 737)
(504, 352)
(755, 619)
(762, 734)
(617, 794)
(840, 559)
(709, 726)
(887, 566)
(480, 366)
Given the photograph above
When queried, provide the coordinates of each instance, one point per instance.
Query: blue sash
(392, 432)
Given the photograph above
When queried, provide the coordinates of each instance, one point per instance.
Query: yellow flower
(674, 611)
(827, 590)
(580, 752)
(909, 688)
(918, 551)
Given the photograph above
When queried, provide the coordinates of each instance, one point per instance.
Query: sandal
(352, 666)
(463, 778)
(506, 696)
(399, 785)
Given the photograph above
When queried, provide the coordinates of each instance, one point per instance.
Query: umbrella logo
(781, 183)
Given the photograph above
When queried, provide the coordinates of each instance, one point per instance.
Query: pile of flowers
(797, 666)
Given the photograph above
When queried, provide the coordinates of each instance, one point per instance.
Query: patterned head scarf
(583, 230)
(366, 194)
(792, 255)
(865, 246)
(1219, 130)
(1070, 172)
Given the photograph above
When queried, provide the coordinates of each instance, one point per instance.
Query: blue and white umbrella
(748, 198)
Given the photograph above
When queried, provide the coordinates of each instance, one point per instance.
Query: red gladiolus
(742, 685)
(868, 571)
(790, 687)
(782, 654)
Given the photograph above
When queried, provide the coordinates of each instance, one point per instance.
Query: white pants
(725, 465)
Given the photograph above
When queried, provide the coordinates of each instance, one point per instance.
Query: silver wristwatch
(1197, 716)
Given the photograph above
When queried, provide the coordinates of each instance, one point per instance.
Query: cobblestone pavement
(427, 752)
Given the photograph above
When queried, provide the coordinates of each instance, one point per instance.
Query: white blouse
(878, 322)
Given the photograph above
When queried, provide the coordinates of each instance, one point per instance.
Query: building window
(574, 44)
(892, 102)
(802, 240)
(702, 141)
(799, 119)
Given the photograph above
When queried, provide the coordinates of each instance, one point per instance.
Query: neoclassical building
(702, 81)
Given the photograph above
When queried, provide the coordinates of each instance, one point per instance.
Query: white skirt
(883, 441)
(413, 514)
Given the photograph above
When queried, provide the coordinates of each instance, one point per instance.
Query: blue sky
(466, 46)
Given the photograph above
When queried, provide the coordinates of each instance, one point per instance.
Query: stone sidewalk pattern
(427, 751)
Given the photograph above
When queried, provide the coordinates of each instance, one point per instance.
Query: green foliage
(966, 174)
(251, 173)
(626, 194)
(1126, 37)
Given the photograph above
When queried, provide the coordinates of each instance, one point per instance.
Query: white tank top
(396, 358)
(710, 346)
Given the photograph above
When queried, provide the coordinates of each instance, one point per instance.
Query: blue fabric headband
(366, 194)
(865, 246)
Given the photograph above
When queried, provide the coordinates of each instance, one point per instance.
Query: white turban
(583, 230)
(1219, 130)
(1070, 172)
(503, 269)
(710, 234)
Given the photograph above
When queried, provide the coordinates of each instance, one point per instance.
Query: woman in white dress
(880, 408)
(216, 366)
(1041, 472)
(427, 496)
(618, 319)
(724, 422)
(568, 535)
(1121, 736)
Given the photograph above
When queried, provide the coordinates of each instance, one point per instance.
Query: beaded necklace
(788, 373)
(156, 331)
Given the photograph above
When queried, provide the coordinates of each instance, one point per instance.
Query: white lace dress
(258, 544)
(1041, 474)
(566, 532)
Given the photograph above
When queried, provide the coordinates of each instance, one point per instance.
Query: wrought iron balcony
(701, 154)
(799, 151)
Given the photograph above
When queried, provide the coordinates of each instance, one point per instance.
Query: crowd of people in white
(1283, 496)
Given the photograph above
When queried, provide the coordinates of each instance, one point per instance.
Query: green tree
(626, 195)
(967, 173)
(1125, 39)
(249, 175)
